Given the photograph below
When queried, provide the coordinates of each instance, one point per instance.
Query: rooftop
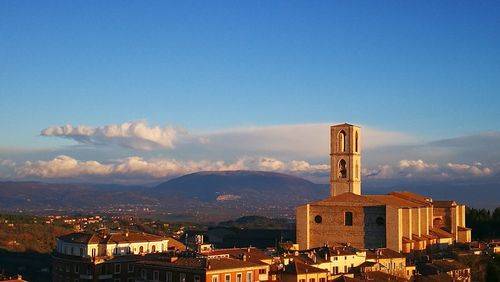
(113, 238)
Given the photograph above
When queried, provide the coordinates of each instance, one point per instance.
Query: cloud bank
(136, 135)
(283, 141)
(418, 169)
(68, 167)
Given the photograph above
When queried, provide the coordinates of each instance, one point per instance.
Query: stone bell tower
(345, 160)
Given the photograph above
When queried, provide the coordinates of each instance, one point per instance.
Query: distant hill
(243, 186)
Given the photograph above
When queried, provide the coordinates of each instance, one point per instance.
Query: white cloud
(475, 169)
(136, 135)
(62, 167)
(67, 167)
(419, 169)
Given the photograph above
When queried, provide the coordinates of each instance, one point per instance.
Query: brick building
(401, 221)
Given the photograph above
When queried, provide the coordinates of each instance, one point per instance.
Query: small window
(302, 280)
(215, 278)
(262, 271)
(144, 274)
(249, 277)
(141, 249)
(356, 144)
(156, 275)
(348, 218)
(318, 219)
(197, 278)
(118, 268)
(81, 252)
(322, 280)
(312, 280)
(239, 277)
(182, 277)
(130, 267)
(153, 249)
(77, 268)
(227, 278)
(168, 277)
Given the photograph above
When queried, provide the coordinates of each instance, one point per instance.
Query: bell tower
(345, 160)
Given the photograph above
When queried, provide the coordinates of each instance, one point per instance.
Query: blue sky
(424, 70)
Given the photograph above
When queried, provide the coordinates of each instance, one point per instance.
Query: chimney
(172, 259)
(244, 257)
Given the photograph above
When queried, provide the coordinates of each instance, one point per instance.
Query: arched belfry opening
(342, 145)
(342, 169)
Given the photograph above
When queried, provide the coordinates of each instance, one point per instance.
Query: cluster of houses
(141, 257)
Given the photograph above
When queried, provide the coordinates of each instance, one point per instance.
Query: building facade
(102, 257)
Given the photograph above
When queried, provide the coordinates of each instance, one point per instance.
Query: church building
(401, 221)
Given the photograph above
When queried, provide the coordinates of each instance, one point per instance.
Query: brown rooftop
(114, 238)
(297, 267)
(383, 253)
(444, 204)
(348, 199)
(250, 254)
(207, 264)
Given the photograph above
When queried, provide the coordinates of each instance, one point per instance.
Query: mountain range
(214, 196)
(202, 195)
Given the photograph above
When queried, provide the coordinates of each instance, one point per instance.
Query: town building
(199, 269)
(337, 260)
(103, 256)
(454, 269)
(297, 271)
(401, 221)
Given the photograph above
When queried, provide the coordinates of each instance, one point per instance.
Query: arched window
(438, 222)
(141, 249)
(81, 252)
(356, 144)
(348, 218)
(153, 249)
(342, 141)
(342, 169)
